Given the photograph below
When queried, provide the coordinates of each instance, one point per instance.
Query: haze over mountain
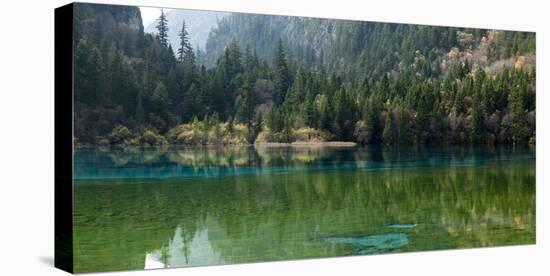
(372, 48)
(198, 24)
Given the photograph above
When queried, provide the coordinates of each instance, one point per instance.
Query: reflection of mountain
(198, 23)
(119, 224)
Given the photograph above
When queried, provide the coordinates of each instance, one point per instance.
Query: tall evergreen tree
(184, 43)
(371, 119)
(388, 135)
(402, 125)
(477, 127)
(246, 104)
(282, 75)
(140, 113)
(160, 98)
(162, 28)
(519, 115)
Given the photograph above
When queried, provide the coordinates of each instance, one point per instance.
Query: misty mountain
(366, 48)
(198, 23)
(306, 38)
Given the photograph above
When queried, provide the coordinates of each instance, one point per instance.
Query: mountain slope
(370, 48)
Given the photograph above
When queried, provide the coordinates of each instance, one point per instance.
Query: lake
(177, 207)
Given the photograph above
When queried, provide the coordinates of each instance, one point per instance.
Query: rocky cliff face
(99, 23)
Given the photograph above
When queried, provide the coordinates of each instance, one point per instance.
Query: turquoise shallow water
(202, 206)
(208, 162)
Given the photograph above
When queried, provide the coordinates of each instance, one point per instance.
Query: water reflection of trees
(208, 158)
(270, 217)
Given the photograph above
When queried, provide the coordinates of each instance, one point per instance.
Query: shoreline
(302, 144)
(333, 144)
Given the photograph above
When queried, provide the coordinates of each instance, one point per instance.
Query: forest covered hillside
(288, 79)
(363, 47)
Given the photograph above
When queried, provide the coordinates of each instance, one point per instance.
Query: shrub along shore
(213, 133)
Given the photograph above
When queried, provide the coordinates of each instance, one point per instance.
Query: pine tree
(458, 102)
(162, 28)
(295, 93)
(517, 107)
(309, 113)
(402, 125)
(147, 74)
(190, 103)
(251, 64)
(189, 66)
(371, 119)
(140, 113)
(97, 76)
(160, 98)
(184, 43)
(246, 104)
(477, 127)
(189, 58)
(488, 95)
(258, 121)
(282, 75)
(287, 127)
(423, 114)
(232, 59)
(388, 135)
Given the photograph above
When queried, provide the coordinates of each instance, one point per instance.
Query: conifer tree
(162, 28)
(402, 125)
(184, 43)
(140, 113)
(371, 119)
(160, 98)
(477, 127)
(519, 115)
(246, 104)
(388, 135)
(282, 75)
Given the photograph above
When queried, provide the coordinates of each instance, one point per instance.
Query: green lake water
(181, 207)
